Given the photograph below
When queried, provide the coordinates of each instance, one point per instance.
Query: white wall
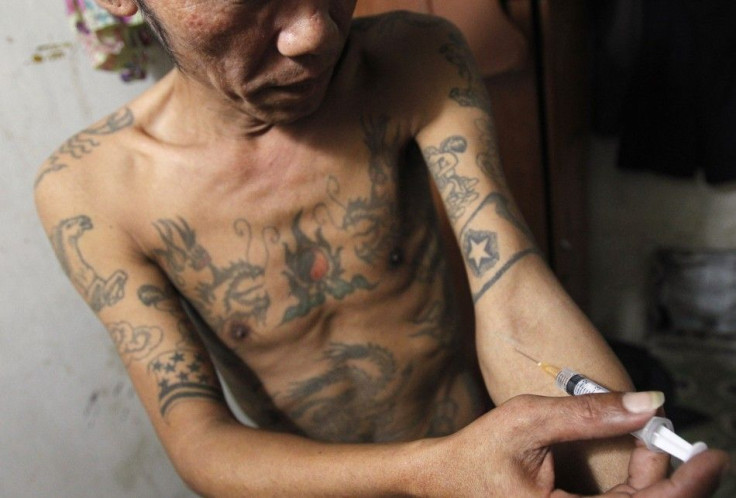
(70, 425)
(631, 215)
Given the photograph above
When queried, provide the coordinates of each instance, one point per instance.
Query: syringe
(657, 434)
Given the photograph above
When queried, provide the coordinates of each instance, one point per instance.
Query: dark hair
(155, 24)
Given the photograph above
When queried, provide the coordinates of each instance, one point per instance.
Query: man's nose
(309, 31)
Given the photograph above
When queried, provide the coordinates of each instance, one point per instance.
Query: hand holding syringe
(658, 434)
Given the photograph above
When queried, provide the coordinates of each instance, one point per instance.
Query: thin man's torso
(314, 255)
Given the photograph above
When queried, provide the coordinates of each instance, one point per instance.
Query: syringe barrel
(657, 434)
(575, 384)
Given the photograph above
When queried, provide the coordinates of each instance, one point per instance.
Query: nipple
(238, 331)
(396, 257)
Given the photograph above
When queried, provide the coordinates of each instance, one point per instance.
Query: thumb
(596, 416)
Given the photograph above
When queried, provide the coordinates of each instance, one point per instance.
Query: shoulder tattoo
(84, 142)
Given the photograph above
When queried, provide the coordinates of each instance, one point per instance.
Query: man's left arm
(519, 304)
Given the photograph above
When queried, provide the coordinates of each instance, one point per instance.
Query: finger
(647, 467)
(592, 416)
(696, 478)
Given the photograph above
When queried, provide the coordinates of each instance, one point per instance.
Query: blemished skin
(267, 209)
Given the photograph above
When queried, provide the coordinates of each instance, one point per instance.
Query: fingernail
(646, 401)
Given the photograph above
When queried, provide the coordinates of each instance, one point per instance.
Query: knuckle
(587, 409)
(521, 403)
(523, 409)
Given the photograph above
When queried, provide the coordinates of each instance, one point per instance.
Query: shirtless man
(275, 189)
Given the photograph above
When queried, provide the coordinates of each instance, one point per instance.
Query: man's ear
(120, 8)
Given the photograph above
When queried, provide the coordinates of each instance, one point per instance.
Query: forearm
(540, 319)
(227, 459)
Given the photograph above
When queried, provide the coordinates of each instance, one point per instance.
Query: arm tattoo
(167, 299)
(84, 142)
(457, 52)
(457, 191)
(183, 374)
(134, 343)
(180, 374)
(98, 291)
(488, 160)
(480, 247)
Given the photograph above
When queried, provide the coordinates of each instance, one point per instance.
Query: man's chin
(287, 114)
(288, 108)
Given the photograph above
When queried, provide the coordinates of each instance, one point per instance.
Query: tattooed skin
(85, 142)
(480, 247)
(314, 271)
(458, 191)
(134, 343)
(372, 220)
(488, 159)
(99, 292)
(167, 299)
(239, 286)
(431, 323)
(179, 374)
(481, 250)
(181, 250)
(457, 52)
(353, 400)
(308, 261)
(183, 374)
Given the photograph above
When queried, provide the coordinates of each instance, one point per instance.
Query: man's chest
(264, 258)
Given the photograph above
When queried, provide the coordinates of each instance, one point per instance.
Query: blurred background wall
(70, 424)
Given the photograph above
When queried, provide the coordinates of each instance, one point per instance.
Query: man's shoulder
(399, 32)
(100, 140)
(408, 60)
(84, 173)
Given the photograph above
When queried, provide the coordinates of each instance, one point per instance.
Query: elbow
(202, 463)
(191, 465)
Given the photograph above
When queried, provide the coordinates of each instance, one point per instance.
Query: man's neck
(204, 115)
